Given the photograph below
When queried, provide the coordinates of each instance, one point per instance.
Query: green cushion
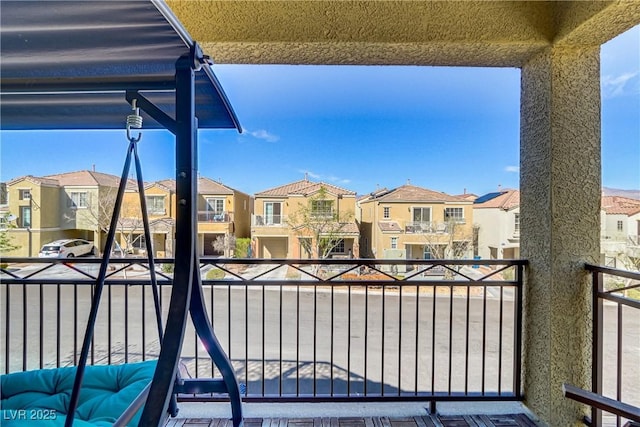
(41, 397)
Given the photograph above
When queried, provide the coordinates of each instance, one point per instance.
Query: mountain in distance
(631, 194)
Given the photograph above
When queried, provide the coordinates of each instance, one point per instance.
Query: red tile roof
(389, 226)
(509, 199)
(411, 193)
(618, 205)
(304, 188)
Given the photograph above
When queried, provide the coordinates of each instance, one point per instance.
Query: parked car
(67, 248)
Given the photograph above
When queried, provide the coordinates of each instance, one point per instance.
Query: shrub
(242, 246)
(214, 274)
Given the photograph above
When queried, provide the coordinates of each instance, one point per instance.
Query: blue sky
(447, 129)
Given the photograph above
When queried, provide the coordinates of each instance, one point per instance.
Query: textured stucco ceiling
(484, 33)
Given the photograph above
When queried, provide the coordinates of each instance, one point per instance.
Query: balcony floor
(416, 421)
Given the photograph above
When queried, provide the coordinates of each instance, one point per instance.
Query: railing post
(596, 364)
(517, 345)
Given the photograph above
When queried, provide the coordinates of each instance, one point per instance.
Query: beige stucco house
(411, 222)
(223, 214)
(620, 244)
(62, 206)
(498, 218)
(290, 219)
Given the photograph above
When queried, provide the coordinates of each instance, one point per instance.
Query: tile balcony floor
(398, 414)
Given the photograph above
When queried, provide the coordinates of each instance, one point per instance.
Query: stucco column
(560, 223)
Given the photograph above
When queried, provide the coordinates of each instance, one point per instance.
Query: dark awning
(67, 65)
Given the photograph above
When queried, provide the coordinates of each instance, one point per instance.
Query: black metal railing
(616, 343)
(342, 329)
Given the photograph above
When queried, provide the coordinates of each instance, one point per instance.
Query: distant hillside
(632, 194)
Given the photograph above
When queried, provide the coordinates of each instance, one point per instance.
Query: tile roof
(78, 178)
(304, 188)
(85, 177)
(344, 227)
(209, 186)
(412, 193)
(389, 226)
(618, 205)
(205, 186)
(506, 199)
(38, 180)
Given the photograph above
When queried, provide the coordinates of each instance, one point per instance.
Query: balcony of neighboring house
(268, 221)
(215, 222)
(338, 331)
(426, 227)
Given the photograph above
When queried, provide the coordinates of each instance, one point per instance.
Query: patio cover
(68, 64)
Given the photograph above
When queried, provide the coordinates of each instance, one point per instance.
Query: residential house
(223, 214)
(292, 221)
(497, 215)
(411, 222)
(620, 237)
(61, 206)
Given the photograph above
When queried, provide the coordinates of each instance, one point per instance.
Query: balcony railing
(425, 227)
(616, 325)
(294, 329)
(210, 216)
(268, 221)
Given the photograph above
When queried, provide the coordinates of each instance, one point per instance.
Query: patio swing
(71, 91)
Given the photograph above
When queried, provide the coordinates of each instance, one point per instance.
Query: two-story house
(497, 215)
(62, 206)
(411, 222)
(620, 232)
(223, 214)
(305, 219)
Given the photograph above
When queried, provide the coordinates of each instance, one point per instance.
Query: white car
(67, 248)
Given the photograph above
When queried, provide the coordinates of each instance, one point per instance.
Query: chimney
(93, 167)
(408, 181)
(306, 176)
(464, 191)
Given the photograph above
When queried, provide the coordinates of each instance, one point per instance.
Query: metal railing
(269, 221)
(616, 325)
(348, 329)
(210, 216)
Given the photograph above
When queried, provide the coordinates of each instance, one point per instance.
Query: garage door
(274, 247)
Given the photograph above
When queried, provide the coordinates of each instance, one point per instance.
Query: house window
(215, 209)
(421, 214)
(77, 200)
(338, 248)
(24, 194)
(454, 214)
(272, 213)
(139, 241)
(25, 216)
(322, 208)
(394, 243)
(155, 205)
(620, 226)
(386, 212)
(516, 223)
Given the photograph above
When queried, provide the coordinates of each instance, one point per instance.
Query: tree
(100, 210)
(6, 241)
(450, 241)
(319, 225)
(225, 244)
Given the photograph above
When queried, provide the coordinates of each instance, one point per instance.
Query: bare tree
(319, 225)
(129, 223)
(225, 244)
(451, 241)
